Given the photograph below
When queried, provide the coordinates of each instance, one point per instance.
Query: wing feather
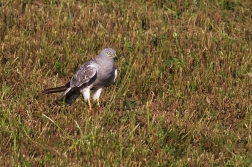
(83, 75)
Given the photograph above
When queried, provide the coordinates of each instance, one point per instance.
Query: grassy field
(182, 98)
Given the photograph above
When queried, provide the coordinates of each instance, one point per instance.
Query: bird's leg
(98, 102)
(86, 95)
(89, 104)
(96, 96)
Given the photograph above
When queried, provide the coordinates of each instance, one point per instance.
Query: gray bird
(95, 74)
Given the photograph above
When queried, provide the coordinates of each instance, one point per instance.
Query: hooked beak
(115, 58)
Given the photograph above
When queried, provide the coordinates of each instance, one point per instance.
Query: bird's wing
(86, 73)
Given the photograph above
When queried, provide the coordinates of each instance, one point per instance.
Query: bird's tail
(57, 89)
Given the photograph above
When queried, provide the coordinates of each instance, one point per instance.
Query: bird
(94, 74)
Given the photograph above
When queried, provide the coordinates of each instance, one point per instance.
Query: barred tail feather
(57, 89)
(54, 90)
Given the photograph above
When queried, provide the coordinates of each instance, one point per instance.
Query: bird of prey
(95, 74)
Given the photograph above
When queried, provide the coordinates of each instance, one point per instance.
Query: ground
(182, 97)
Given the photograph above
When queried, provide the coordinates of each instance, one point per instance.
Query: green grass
(182, 97)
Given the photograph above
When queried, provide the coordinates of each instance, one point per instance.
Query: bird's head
(111, 53)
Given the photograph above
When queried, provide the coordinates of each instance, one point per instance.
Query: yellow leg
(98, 102)
(89, 104)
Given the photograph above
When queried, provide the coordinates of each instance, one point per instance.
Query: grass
(182, 98)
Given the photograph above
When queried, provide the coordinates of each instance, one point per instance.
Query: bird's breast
(104, 79)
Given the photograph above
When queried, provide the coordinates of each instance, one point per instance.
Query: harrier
(95, 74)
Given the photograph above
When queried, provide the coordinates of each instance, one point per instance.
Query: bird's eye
(109, 53)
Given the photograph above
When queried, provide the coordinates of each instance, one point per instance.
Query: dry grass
(183, 96)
